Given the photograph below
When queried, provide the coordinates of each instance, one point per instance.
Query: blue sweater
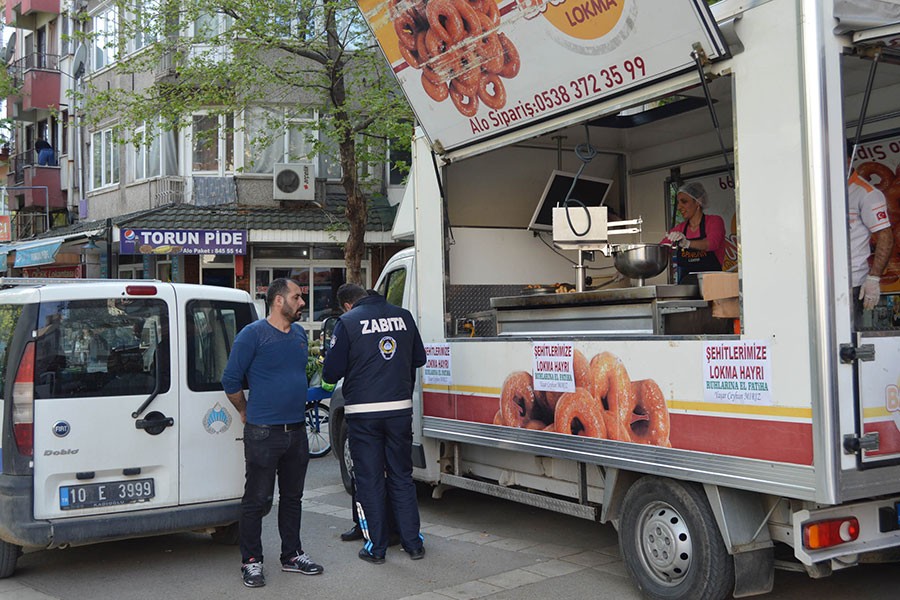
(274, 364)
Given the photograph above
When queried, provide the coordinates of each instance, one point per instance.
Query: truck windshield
(107, 347)
(9, 316)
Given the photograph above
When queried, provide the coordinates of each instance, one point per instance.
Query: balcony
(22, 13)
(25, 174)
(37, 77)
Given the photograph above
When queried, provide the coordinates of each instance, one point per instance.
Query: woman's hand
(675, 237)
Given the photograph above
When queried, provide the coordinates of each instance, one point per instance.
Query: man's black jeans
(270, 451)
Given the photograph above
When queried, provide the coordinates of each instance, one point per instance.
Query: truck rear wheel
(671, 544)
(344, 458)
(9, 555)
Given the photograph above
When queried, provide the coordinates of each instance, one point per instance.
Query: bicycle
(317, 417)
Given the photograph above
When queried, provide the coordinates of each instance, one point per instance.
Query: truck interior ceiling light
(825, 534)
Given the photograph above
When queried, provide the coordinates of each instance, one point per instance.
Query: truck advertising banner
(473, 69)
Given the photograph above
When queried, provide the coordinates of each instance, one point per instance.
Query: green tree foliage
(228, 55)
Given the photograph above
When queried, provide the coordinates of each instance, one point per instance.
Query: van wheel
(9, 554)
(227, 535)
(344, 458)
(671, 544)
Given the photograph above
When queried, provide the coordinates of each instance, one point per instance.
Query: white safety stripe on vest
(352, 409)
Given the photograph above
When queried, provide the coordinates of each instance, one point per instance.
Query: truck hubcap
(664, 542)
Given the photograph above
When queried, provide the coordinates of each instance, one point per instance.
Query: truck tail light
(140, 290)
(23, 403)
(825, 534)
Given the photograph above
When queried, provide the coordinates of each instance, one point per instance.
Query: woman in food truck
(699, 238)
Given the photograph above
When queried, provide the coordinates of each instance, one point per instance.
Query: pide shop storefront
(205, 256)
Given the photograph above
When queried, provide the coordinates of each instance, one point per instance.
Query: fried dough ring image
(517, 399)
(883, 174)
(611, 386)
(649, 423)
(579, 413)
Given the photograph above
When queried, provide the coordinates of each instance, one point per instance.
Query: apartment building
(241, 214)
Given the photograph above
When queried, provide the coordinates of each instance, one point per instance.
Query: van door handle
(155, 423)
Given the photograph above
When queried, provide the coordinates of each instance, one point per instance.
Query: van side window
(109, 347)
(392, 286)
(211, 329)
(9, 316)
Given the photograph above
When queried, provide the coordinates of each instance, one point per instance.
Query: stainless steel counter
(646, 293)
(660, 310)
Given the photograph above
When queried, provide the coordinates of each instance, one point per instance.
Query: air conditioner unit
(294, 181)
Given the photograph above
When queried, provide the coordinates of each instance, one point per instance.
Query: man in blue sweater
(377, 348)
(271, 354)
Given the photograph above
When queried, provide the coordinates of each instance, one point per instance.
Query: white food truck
(725, 431)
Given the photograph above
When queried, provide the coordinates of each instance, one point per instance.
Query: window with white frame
(153, 153)
(271, 137)
(106, 37)
(212, 142)
(104, 159)
(140, 15)
(329, 157)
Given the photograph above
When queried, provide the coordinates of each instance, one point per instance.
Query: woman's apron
(692, 261)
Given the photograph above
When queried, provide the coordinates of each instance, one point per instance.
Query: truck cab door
(106, 420)
(211, 434)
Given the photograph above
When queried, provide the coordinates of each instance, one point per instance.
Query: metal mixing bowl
(640, 261)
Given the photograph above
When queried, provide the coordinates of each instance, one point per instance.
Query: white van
(114, 423)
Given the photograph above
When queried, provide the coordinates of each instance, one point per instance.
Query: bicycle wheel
(317, 420)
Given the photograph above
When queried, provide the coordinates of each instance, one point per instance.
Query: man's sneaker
(252, 573)
(301, 563)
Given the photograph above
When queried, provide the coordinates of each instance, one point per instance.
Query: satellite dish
(9, 51)
(79, 61)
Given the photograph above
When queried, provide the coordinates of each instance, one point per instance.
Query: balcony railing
(35, 60)
(18, 163)
(170, 190)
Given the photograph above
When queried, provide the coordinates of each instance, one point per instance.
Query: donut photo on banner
(606, 404)
(459, 48)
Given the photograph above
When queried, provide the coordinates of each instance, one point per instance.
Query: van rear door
(105, 403)
(211, 432)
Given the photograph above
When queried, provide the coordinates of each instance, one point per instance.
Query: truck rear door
(879, 399)
(211, 432)
(105, 405)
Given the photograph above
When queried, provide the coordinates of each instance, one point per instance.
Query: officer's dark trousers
(271, 452)
(381, 448)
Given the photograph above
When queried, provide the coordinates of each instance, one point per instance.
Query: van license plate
(109, 493)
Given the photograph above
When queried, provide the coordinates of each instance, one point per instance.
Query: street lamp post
(34, 187)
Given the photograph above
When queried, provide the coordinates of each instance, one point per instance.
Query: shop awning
(42, 253)
(34, 253)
